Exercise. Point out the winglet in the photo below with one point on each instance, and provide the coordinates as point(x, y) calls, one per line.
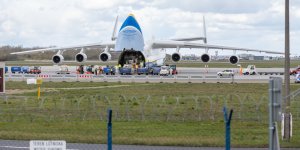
point(113, 37)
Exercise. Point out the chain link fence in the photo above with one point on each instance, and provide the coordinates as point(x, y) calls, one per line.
point(190, 121)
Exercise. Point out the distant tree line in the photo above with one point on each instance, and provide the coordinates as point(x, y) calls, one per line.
point(93, 54)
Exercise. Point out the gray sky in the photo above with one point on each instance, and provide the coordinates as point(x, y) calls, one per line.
point(240, 23)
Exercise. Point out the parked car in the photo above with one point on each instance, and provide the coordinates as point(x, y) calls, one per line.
point(164, 70)
point(226, 73)
point(63, 70)
point(295, 71)
point(35, 70)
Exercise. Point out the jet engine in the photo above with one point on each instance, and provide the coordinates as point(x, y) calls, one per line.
point(176, 57)
point(233, 59)
point(57, 59)
point(81, 57)
point(104, 56)
point(205, 58)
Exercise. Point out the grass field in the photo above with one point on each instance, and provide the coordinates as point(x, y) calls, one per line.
point(146, 114)
point(212, 64)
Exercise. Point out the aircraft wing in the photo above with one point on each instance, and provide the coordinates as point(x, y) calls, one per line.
point(184, 44)
point(99, 45)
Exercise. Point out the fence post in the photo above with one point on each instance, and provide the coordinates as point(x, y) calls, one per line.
point(275, 96)
point(109, 130)
point(227, 128)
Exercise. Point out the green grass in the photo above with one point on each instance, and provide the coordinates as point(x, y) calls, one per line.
point(196, 64)
point(145, 114)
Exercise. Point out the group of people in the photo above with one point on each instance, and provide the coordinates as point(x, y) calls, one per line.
point(97, 70)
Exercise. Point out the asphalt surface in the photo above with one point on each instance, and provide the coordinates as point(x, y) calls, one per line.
point(181, 70)
point(24, 145)
point(185, 75)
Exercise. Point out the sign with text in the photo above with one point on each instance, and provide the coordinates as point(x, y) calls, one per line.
point(31, 81)
point(47, 145)
point(2, 77)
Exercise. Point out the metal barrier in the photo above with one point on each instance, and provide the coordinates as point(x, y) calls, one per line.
point(141, 78)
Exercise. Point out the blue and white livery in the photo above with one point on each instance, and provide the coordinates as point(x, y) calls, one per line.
point(130, 43)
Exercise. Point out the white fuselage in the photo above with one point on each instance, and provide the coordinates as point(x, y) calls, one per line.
point(130, 42)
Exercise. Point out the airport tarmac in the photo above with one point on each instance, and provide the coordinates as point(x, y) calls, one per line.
point(24, 145)
point(181, 70)
point(185, 75)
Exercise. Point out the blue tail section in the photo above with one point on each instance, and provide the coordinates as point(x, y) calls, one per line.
point(130, 21)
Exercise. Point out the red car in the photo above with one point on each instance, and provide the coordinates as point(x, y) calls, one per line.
point(295, 71)
point(35, 70)
point(174, 70)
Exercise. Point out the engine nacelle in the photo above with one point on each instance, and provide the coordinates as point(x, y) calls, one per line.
point(57, 59)
point(176, 57)
point(81, 57)
point(105, 56)
point(233, 59)
point(205, 58)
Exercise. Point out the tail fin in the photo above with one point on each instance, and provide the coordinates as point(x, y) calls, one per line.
point(204, 31)
point(113, 37)
point(204, 38)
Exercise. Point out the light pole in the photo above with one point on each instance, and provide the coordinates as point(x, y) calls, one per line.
point(287, 116)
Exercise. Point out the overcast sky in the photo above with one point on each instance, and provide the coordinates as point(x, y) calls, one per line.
point(239, 23)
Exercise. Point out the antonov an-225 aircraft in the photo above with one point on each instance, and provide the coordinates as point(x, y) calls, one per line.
point(130, 43)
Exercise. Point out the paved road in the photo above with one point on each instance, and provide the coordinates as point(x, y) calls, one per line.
point(24, 145)
point(186, 75)
point(181, 70)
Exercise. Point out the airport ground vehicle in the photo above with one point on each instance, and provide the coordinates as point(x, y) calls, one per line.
point(173, 69)
point(109, 70)
point(295, 71)
point(63, 70)
point(144, 70)
point(155, 70)
point(35, 70)
point(125, 71)
point(15, 69)
point(250, 70)
point(106, 70)
point(25, 69)
point(226, 73)
point(18, 69)
point(164, 70)
point(297, 80)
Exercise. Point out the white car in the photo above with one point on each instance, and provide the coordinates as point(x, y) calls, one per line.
point(226, 73)
point(164, 70)
point(63, 70)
